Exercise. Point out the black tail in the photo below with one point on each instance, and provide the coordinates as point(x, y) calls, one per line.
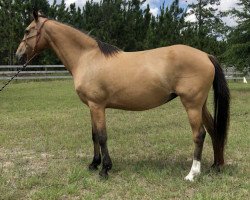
point(221, 110)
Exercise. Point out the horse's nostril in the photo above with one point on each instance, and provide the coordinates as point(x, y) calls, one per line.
point(19, 56)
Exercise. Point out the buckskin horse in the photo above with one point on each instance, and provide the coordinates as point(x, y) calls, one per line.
point(107, 77)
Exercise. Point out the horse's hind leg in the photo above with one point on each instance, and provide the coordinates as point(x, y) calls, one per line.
point(209, 124)
point(193, 107)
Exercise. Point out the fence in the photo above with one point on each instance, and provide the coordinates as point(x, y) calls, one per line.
point(36, 72)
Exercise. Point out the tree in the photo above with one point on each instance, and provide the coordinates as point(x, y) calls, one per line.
point(169, 25)
point(14, 16)
point(208, 27)
point(133, 31)
point(8, 31)
point(238, 50)
point(127, 24)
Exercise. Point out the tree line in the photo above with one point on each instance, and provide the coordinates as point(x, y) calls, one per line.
point(129, 25)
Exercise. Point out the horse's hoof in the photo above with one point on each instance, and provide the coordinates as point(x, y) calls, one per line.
point(103, 175)
point(216, 167)
point(189, 178)
point(93, 167)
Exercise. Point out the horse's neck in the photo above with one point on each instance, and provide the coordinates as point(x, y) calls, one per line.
point(69, 44)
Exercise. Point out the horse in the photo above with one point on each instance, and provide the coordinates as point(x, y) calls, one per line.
point(107, 77)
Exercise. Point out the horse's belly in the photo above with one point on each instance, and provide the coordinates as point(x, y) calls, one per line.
point(136, 101)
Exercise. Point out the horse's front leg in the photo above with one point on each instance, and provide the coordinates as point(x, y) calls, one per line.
point(97, 155)
point(99, 136)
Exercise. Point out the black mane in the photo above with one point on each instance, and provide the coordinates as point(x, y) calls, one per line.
point(107, 49)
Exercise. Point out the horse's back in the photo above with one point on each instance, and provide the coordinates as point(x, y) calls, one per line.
point(172, 63)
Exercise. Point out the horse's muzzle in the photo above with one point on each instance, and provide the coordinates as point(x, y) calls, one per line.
point(20, 52)
point(19, 56)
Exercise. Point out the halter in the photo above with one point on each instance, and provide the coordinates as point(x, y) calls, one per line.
point(37, 35)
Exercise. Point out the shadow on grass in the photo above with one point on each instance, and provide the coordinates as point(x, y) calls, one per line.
point(169, 166)
point(158, 164)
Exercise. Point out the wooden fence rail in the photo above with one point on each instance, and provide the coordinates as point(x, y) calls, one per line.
point(33, 72)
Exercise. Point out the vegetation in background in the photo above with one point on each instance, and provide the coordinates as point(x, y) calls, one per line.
point(126, 24)
point(238, 47)
point(208, 29)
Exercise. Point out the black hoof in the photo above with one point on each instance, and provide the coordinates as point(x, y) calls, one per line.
point(93, 167)
point(95, 163)
point(216, 167)
point(104, 174)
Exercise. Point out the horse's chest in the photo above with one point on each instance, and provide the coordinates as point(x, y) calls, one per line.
point(82, 96)
point(90, 93)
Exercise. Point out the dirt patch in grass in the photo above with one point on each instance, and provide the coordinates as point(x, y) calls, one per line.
point(23, 163)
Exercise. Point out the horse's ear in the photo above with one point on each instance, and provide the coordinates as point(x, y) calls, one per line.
point(35, 15)
point(40, 13)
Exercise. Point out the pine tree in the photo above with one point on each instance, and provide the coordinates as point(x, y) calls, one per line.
point(208, 26)
point(238, 51)
point(169, 25)
point(123, 23)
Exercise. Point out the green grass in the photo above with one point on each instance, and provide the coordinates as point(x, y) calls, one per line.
point(46, 146)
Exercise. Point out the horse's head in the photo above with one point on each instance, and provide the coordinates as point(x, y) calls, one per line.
point(34, 40)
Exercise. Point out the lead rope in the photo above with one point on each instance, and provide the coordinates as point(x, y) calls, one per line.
point(24, 66)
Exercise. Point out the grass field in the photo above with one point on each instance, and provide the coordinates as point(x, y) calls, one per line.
point(46, 146)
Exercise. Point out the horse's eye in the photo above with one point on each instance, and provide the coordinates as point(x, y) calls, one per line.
point(27, 32)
